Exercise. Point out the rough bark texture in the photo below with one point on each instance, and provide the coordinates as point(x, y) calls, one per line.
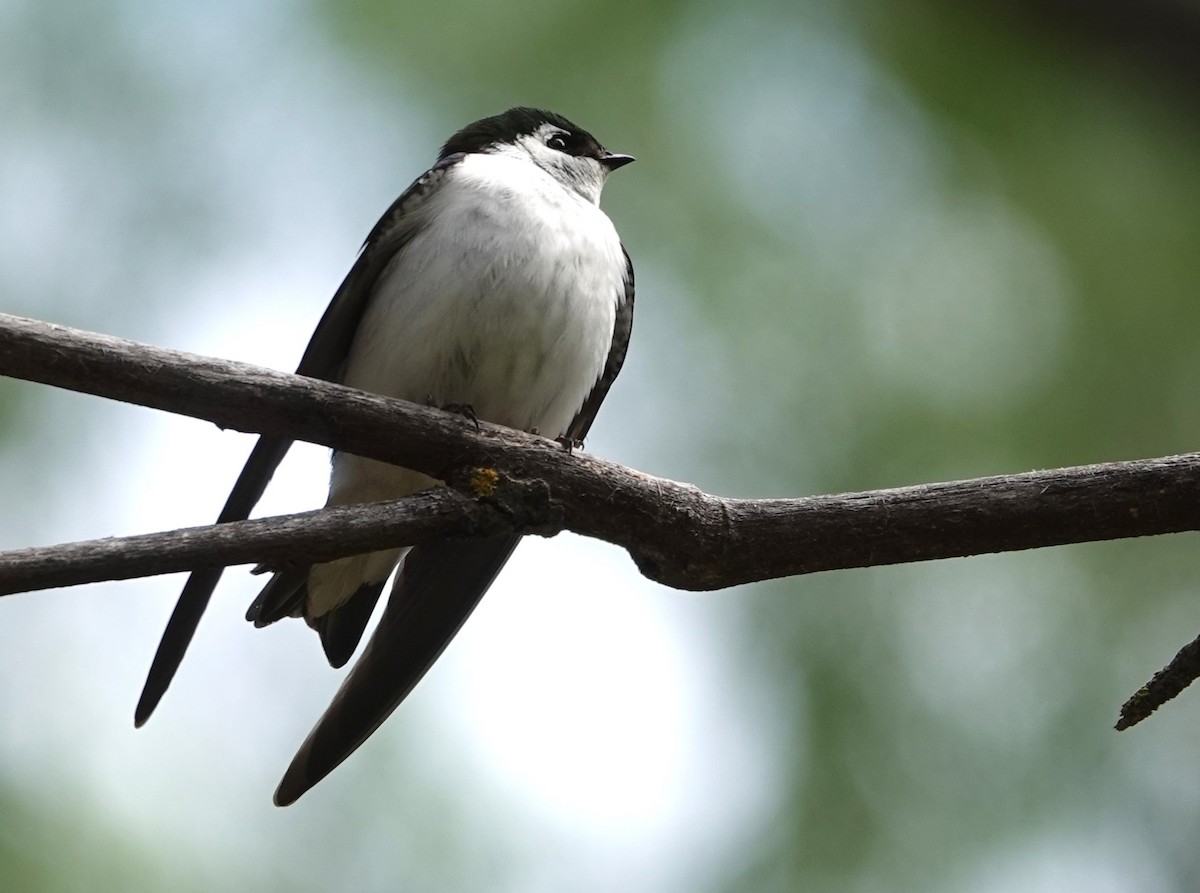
point(504, 480)
point(677, 534)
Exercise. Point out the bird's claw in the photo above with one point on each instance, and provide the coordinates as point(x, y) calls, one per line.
point(463, 409)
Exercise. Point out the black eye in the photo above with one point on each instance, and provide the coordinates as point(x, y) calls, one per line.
point(557, 142)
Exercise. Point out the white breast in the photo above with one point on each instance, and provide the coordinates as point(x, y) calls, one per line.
point(505, 300)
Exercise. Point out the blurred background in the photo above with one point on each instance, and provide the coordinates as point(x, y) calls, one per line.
point(876, 245)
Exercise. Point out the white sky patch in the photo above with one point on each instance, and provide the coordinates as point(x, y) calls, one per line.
point(578, 691)
point(591, 693)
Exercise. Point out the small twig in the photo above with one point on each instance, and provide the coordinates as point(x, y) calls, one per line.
point(1182, 671)
point(316, 536)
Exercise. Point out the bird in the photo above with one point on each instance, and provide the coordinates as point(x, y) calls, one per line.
point(495, 285)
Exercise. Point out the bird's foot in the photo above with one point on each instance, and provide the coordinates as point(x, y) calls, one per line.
point(463, 409)
point(570, 443)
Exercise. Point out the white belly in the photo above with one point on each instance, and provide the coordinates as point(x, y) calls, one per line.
point(506, 305)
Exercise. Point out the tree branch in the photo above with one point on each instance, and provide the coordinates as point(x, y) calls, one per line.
point(275, 542)
point(503, 480)
point(676, 534)
point(1164, 685)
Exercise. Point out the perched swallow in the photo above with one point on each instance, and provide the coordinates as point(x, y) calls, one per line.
point(494, 282)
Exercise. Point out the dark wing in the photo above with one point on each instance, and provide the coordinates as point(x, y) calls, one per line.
point(323, 358)
point(622, 326)
point(438, 587)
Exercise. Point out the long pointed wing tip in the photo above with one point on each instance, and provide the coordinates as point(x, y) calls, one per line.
point(281, 799)
point(294, 785)
point(146, 705)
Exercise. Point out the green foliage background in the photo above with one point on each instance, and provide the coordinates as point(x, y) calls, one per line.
point(877, 244)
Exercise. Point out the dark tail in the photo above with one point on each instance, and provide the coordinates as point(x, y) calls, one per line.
point(264, 459)
point(439, 584)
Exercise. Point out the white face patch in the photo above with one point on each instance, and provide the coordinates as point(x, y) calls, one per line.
point(580, 173)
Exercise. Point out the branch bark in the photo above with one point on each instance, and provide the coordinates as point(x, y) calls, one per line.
point(503, 480)
point(274, 542)
point(675, 533)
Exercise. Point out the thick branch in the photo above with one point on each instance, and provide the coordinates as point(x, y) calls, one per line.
point(676, 534)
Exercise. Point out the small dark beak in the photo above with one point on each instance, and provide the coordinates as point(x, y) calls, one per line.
point(612, 160)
